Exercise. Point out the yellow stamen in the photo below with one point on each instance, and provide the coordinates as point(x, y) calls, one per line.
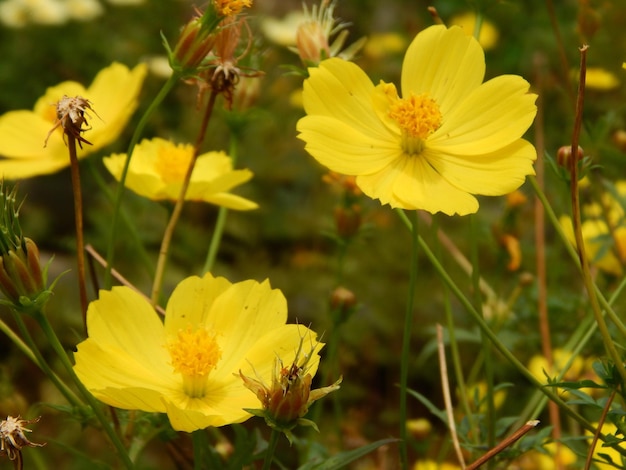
point(418, 116)
point(231, 7)
point(194, 355)
point(173, 161)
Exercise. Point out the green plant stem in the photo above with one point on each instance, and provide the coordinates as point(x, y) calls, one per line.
point(220, 223)
point(180, 202)
point(495, 340)
point(204, 456)
point(132, 229)
point(406, 341)
point(574, 254)
point(91, 400)
point(271, 449)
point(167, 87)
point(577, 223)
point(485, 344)
point(78, 222)
point(32, 352)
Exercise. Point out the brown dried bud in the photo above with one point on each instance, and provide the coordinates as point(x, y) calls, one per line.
point(71, 117)
point(348, 220)
point(13, 439)
point(564, 155)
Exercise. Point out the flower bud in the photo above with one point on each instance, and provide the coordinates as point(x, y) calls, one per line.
point(343, 301)
point(193, 46)
point(564, 155)
point(348, 220)
point(312, 43)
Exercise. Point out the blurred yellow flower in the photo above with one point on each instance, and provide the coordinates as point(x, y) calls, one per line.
point(599, 79)
point(433, 465)
point(188, 366)
point(535, 460)
point(113, 96)
point(158, 167)
point(605, 248)
point(488, 37)
point(614, 455)
point(448, 137)
point(379, 45)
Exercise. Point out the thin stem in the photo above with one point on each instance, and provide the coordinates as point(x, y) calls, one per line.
point(508, 355)
point(447, 399)
point(222, 213)
point(78, 221)
point(271, 449)
point(178, 208)
point(577, 223)
point(406, 342)
point(167, 87)
point(31, 351)
point(95, 406)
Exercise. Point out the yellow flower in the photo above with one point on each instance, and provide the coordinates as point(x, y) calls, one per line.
point(113, 96)
point(605, 247)
point(449, 136)
point(488, 37)
point(188, 366)
point(599, 79)
point(432, 465)
point(613, 454)
point(158, 167)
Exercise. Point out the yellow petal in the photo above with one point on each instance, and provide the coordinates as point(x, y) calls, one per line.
point(124, 319)
point(344, 149)
point(490, 174)
point(341, 90)
point(139, 178)
point(411, 183)
point(118, 379)
point(494, 115)
point(445, 63)
point(114, 97)
point(230, 201)
point(282, 343)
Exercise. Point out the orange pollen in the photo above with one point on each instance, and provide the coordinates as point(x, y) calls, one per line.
point(231, 7)
point(418, 115)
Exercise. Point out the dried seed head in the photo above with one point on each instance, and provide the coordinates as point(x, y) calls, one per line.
point(13, 439)
point(71, 117)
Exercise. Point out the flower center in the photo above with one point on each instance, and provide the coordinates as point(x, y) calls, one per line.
point(231, 7)
point(173, 161)
point(418, 116)
point(194, 355)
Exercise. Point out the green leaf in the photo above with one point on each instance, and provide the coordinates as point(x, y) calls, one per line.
point(340, 460)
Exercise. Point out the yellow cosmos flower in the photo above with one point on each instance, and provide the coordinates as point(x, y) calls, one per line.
point(188, 366)
point(113, 96)
point(158, 167)
point(448, 137)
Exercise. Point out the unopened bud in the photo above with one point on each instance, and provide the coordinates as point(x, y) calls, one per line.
point(348, 220)
point(312, 43)
point(619, 139)
point(564, 155)
point(193, 46)
point(342, 300)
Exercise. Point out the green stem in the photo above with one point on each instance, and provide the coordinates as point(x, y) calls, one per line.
point(95, 405)
point(220, 223)
point(406, 341)
point(180, 202)
point(31, 351)
point(271, 449)
point(167, 87)
point(508, 355)
point(486, 347)
point(203, 454)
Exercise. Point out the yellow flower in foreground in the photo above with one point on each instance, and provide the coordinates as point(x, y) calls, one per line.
point(113, 96)
point(158, 167)
point(448, 137)
point(188, 366)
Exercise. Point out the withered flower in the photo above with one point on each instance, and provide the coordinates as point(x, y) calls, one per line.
point(13, 439)
point(71, 117)
point(287, 400)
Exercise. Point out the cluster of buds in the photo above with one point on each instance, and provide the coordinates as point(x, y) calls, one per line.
point(205, 52)
point(287, 400)
point(22, 280)
point(13, 439)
